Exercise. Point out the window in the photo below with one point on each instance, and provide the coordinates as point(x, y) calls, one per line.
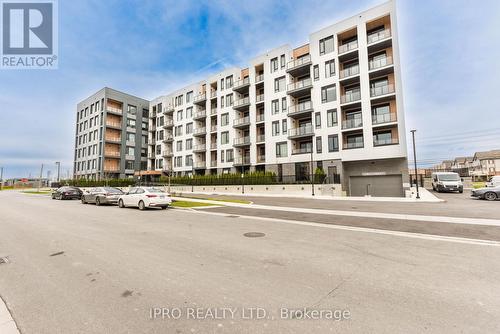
point(328, 94)
point(189, 144)
point(316, 72)
point(276, 128)
point(282, 61)
point(131, 123)
point(326, 45)
point(130, 151)
point(274, 64)
point(331, 117)
point(132, 110)
point(329, 68)
point(178, 130)
point(179, 100)
point(229, 100)
point(222, 156)
point(317, 120)
point(158, 149)
point(281, 150)
point(179, 146)
point(333, 143)
point(279, 84)
point(189, 128)
point(284, 126)
point(222, 101)
point(229, 81)
point(145, 125)
point(229, 156)
point(283, 104)
point(224, 137)
point(130, 136)
point(319, 145)
point(189, 112)
point(145, 113)
point(129, 164)
point(189, 160)
point(224, 119)
point(179, 115)
point(178, 161)
point(275, 107)
point(222, 84)
point(161, 121)
point(189, 96)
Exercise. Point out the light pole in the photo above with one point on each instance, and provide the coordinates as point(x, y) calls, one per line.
point(192, 176)
point(312, 172)
point(40, 179)
point(58, 164)
point(1, 178)
point(415, 161)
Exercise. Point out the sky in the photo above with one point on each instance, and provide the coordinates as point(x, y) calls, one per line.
point(450, 60)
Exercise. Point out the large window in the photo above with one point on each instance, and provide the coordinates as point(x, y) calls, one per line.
point(274, 64)
point(281, 150)
point(229, 156)
point(326, 45)
point(224, 137)
point(189, 144)
point(189, 160)
point(189, 96)
point(279, 84)
point(316, 72)
point(328, 94)
point(229, 82)
point(179, 146)
point(276, 128)
point(329, 68)
point(179, 115)
point(189, 128)
point(284, 126)
point(331, 117)
point(317, 120)
point(189, 112)
point(319, 145)
point(224, 119)
point(333, 143)
point(132, 110)
point(275, 107)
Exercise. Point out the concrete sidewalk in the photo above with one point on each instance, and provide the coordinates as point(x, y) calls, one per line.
point(7, 324)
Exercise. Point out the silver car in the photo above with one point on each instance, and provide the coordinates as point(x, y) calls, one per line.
point(490, 193)
point(102, 195)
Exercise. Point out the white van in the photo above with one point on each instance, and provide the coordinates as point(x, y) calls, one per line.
point(494, 181)
point(447, 181)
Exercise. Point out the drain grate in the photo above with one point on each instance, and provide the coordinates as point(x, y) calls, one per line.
point(254, 235)
point(4, 260)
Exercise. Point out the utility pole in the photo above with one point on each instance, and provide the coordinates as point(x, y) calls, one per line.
point(192, 175)
point(40, 179)
point(58, 164)
point(242, 178)
point(415, 161)
point(312, 172)
point(1, 178)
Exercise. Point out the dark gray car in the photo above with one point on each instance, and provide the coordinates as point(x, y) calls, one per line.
point(490, 193)
point(102, 195)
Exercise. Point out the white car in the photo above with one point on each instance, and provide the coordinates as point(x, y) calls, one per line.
point(145, 197)
point(494, 181)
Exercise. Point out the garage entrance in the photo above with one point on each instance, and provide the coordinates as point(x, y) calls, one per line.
point(376, 185)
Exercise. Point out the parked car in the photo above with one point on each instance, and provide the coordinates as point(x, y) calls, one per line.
point(102, 195)
point(494, 181)
point(447, 181)
point(489, 193)
point(145, 197)
point(67, 192)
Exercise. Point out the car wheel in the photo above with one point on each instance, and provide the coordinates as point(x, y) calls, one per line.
point(461, 191)
point(433, 188)
point(83, 200)
point(164, 207)
point(120, 204)
point(490, 196)
point(141, 205)
point(97, 201)
point(53, 196)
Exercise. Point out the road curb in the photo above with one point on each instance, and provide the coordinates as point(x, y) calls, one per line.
point(7, 323)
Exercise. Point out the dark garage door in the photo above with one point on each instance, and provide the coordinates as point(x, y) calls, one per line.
point(377, 185)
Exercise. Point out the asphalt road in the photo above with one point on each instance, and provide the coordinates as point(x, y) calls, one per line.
point(83, 269)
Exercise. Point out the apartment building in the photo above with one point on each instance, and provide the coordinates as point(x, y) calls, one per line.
point(111, 135)
point(335, 103)
point(486, 163)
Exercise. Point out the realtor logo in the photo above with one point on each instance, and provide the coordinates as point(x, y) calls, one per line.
point(29, 34)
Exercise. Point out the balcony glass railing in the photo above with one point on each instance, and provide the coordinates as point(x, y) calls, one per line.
point(348, 47)
point(168, 122)
point(384, 141)
point(298, 62)
point(261, 158)
point(114, 124)
point(261, 138)
point(300, 84)
point(241, 83)
point(112, 153)
point(213, 163)
point(167, 153)
point(301, 131)
point(242, 121)
point(260, 118)
point(200, 114)
point(213, 94)
point(241, 102)
point(259, 78)
point(213, 128)
point(114, 110)
point(199, 131)
point(349, 72)
point(213, 111)
point(302, 150)
point(352, 123)
point(242, 141)
point(373, 64)
point(382, 90)
point(200, 164)
point(259, 98)
point(112, 138)
point(200, 97)
point(354, 144)
point(213, 145)
point(379, 35)
point(200, 147)
point(242, 160)
point(384, 118)
point(350, 97)
point(300, 107)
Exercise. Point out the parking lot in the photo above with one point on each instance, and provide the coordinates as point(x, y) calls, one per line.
point(81, 268)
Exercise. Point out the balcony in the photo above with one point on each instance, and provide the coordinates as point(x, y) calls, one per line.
point(200, 99)
point(384, 118)
point(353, 145)
point(241, 122)
point(300, 88)
point(168, 138)
point(349, 72)
point(350, 97)
point(167, 154)
point(301, 132)
point(199, 148)
point(300, 110)
point(242, 141)
point(213, 145)
point(379, 36)
point(213, 94)
point(261, 139)
point(299, 66)
point(374, 64)
point(259, 99)
point(385, 141)
point(113, 125)
point(114, 110)
point(261, 158)
point(152, 128)
point(200, 132)
point(242, 161)
point(382, 90)
point(151, 155)
point(260, 118)
point(168, 123)
point(213, 128)
point(241, 104)
point(213, 163)
point(352, 123)
point(213, 111)
point(113, 139)
point(302, 150)
point(200, 115)
point(112, 154)
point(241, 85)
point(200, 165)
point(111, 169)
point(259, 78)
point(351, 46)
point(168, 110)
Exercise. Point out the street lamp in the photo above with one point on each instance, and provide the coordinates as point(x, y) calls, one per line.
point(58, 164)
point(312, 172)
point(1, 178)
point(415, 161)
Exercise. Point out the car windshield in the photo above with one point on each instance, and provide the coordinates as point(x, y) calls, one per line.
point(113, 190)
point(155, 190)
point(448, 177)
